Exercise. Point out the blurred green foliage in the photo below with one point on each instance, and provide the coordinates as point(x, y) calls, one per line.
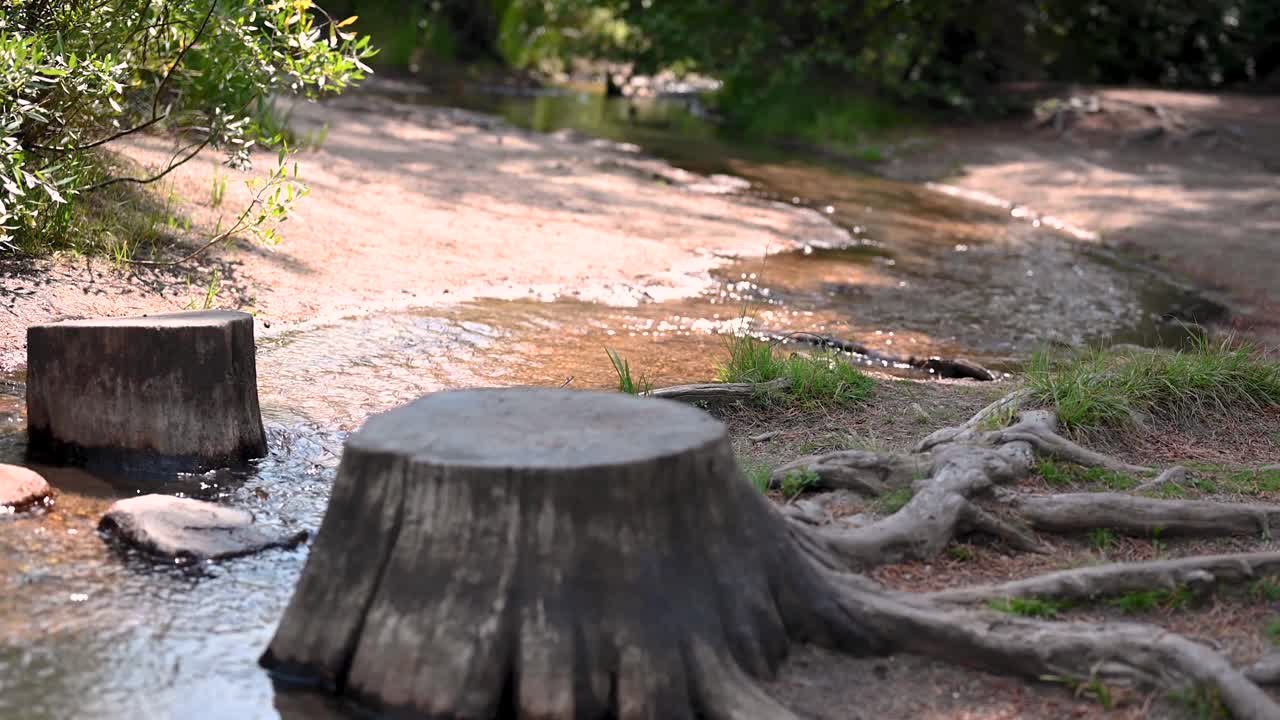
point(828, 71)
point(943, 51)
point(78, 75)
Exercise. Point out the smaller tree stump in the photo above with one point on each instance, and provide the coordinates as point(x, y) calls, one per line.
point(173, 392)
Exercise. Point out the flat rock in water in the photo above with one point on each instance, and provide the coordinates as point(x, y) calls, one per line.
point(184, 528)
point(21, 488)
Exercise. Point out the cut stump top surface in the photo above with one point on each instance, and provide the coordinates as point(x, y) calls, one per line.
point(537, 428)
point(200, 318)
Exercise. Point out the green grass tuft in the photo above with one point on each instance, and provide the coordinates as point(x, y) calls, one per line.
point(1201, 702)
point(1102, 539)
point(1265, 589)
point(627, 383)
point(1104, 389)
point(1065, 475)
point(1273, 631)
point(1029, 607)
point(1000, 419)
point(1141, 601)
point(1092, 688)
point(758, 474)
point(797, 482)
point(893, 502)
point(817, 381)
point(750, 361)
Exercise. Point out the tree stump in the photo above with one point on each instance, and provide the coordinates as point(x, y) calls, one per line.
point(549, 554)
point(177, 391)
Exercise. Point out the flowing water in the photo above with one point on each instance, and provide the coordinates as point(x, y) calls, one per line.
point(89, 631)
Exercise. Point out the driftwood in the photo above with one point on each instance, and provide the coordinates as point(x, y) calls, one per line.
point(949, 368)
point(551, 554)
point(719, 392)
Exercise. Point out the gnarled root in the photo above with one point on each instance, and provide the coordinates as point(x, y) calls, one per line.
point(954, 472)
point(864, 472)
point(1079, 512)
point(938, 510)
point(1126, 653)
point(1119, 578)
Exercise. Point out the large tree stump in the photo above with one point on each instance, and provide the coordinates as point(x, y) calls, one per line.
point(563, 555)
point(548, 554)
point(179, 390)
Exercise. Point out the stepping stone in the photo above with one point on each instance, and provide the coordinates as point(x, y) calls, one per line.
point(186, 529)
point(21, 488)
point(177, 391)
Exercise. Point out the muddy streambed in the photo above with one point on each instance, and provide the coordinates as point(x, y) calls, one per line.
point(89, 631)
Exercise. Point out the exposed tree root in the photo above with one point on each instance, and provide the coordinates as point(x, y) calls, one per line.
point(1008, 404)
point(957, 469)
point(1266, 671)
point(939, 510)
point(864, 472)
point(1079, 512)
point(1176, 475)
point(961, 478)
point(1119, 578)
point(1068, 652)
point(1037, 428)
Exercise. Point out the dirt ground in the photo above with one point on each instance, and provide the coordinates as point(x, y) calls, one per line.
point(1201, 200)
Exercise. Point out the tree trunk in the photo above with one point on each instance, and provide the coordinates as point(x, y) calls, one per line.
point(171, 392)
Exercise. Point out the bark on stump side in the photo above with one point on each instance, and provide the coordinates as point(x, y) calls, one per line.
point(178, 391)
point(530, 553)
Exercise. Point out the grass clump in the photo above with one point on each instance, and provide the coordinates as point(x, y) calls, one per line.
point(758, 474)
point(1102, 539)
point(1000, 419)
point(1273, 631)
point(1091, 688)
point(1265, 589)
point(797, 483)
point(626, 382)
point(1029, 607)
point(1065, 475)
point(1100, 389)
point(1253, 482)
point(1201, 702)
point(894, 501)
point(816, 381)
point(1141, 601)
